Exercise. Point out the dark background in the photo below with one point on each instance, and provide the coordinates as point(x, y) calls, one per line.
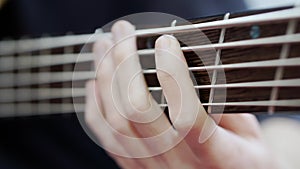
point(58, 141)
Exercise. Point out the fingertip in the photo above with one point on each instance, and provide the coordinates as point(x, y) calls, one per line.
point(166, 41)
point(162, 42)
point(121, 28)
point(102, 46)
point(167, 51)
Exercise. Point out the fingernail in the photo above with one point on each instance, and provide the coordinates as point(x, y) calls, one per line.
point(122, 28)
point(165, 41)
point(171, 37)
point(162, 42)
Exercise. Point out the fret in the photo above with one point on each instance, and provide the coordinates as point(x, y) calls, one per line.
point(217, 62)
point(12, 64)
point(280, 70)
point(27, 76)
point(66, 68)
point(69, 50)
point(40, 76)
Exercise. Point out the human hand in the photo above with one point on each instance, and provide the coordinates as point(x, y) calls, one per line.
point(235, 142)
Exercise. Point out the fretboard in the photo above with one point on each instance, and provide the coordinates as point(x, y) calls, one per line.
point(251, 64)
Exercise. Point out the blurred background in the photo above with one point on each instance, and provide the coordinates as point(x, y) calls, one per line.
point(58, 141)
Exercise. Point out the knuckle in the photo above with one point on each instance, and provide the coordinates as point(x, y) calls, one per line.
point(130, 112)
point(118, 124)
point(184, 124)
point(139, 101)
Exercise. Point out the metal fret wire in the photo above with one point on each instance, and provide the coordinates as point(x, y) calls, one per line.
point(280, 70)
point(46, 106)
point(217, 62)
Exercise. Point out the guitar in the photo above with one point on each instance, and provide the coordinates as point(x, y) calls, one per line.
point(258, 51)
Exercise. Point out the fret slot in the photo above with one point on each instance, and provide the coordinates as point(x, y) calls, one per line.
point(294, 50)
point(289, 93)
point(250, 54)
point(291, 72)
point(265, 30)
point(248, 94)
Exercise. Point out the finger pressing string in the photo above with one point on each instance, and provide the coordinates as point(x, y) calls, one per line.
point(186, 112)
point(156, 127)
point(119, 126)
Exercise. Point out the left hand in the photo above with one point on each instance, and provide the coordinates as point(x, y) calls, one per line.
point(235, 143)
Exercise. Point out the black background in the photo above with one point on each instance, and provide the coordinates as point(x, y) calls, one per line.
point(57, 141)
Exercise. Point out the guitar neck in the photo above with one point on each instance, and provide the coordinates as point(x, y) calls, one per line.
point(244, 62)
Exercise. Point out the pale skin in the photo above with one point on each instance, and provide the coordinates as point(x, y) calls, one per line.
point(235, 143)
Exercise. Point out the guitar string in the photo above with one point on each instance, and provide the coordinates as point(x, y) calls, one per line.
point(279, 103)
point(23, 109)
point(28, 62)
point(23, 79)
point(89, 57)
point(31, 94)
point(12, 47)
